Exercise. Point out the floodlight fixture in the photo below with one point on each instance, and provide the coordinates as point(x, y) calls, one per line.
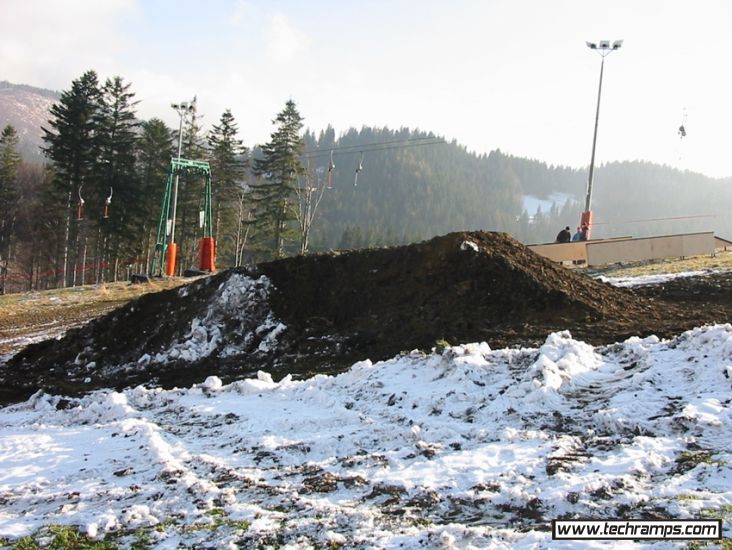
point(604, 47)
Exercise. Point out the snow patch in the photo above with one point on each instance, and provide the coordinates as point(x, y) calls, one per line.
point(226, 326)
point(467, 448)
point(642, 280)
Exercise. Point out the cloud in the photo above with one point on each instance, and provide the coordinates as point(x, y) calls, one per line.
point(46, 41)
point(284, 42)
point(243, 11)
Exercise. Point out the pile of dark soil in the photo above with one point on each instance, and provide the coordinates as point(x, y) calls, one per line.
point(343, 307)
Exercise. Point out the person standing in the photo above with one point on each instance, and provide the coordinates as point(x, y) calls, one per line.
point(564, 236)
point(584, 232)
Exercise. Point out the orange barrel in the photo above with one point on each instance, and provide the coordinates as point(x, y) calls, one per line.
point(207, 254)
point(170, 260)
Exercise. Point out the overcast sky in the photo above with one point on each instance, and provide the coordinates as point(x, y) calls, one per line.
point(508, 74)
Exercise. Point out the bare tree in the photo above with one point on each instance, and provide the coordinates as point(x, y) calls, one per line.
point(310, 191)
point(242, 225)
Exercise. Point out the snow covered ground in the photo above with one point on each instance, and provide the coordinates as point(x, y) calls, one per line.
point(655, 279)
point(467, 447)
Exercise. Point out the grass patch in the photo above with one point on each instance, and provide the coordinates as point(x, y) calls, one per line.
point(441, 345)
point(22, 314)
point(724, 544)
point(686, 497)
point(65, 537)
point(688, 460)
point(722, 260)
point(723, 512)
point(59, 537)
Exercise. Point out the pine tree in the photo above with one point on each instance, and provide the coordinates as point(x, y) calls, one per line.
point(155, 149)
point(31, 233)
point(229, 161)
point(280, 168)
point(190, 191)
point(72, 145)
point(116, 200)
point(9, 193)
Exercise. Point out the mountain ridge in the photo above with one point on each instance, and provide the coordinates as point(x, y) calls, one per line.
point(26, 109)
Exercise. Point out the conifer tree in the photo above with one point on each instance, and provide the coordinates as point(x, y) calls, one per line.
point(116, 176)
point(72, 145)
point(154, 151)
point(279, 169)
point(9, 193)
point(229, 161)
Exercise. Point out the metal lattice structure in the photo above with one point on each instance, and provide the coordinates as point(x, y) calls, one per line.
point(181, 167)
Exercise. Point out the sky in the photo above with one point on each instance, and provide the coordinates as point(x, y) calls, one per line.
point(513, 75)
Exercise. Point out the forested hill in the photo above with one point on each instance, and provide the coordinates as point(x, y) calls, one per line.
point(640, 198)
point(410, 191)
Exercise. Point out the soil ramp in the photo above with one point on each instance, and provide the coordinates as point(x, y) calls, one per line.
point(321, 313)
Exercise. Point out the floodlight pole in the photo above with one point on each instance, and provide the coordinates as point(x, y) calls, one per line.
point(604, 49)
point(183, 109)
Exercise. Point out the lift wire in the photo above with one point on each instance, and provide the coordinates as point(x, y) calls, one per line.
point(388, 142)
point(657, 219)
point(370, 147)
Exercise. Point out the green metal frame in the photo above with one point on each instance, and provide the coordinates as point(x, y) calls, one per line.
point(180, 167)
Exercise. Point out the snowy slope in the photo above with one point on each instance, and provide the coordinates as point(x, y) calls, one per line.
point(468, 448)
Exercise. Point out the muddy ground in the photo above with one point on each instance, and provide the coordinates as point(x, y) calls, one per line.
point(343, 307)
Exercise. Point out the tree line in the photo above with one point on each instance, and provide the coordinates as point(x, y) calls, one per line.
point(92, 212)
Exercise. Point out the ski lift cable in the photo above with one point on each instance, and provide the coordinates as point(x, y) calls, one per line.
point(387, 142)
point(363, 146)
point(373, 147)
point(657, 219)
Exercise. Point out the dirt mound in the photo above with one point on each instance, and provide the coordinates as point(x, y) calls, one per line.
point(321, 313)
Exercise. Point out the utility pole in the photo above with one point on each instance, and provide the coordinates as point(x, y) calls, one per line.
point(604, 49)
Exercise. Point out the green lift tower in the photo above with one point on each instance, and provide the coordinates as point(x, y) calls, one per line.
point(164, 256)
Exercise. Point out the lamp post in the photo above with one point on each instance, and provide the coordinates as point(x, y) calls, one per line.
point(604, 48)
point(183, 109)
